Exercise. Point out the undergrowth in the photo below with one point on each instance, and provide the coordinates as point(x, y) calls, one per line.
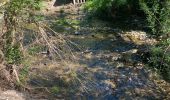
point(111, 8)
point(16, 12)
point(158, 16)
point(160, 58)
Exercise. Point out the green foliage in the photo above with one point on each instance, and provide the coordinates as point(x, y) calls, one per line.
point(24, 74)
point(67, 22)
point(21, 8)
point(108, 8)
point(38, 18)
point(158, 15)
point(21, 5)
point(16, 12)
point(98, 4)
point(55, 89)
point(13, 54)
point(160, 58)
point(64, 25)
point(99, 7)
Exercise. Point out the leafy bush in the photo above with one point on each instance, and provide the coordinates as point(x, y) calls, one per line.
point(13, 54)
point(55, 89)
point(160, 58)
point(16, 13)
point(158, 15)
point(98, 5)
point(108, 8)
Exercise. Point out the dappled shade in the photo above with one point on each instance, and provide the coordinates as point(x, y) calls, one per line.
point(62, 2)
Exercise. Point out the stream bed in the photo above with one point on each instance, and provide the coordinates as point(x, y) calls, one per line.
point(109, 64)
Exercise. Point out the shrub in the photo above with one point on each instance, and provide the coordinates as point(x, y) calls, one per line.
point(160, 58)
point(158, 15)
point(24, 73)
point(16, 13)
point(110, 8)
point(158, 18)
point(99, 7)
point(13, 54)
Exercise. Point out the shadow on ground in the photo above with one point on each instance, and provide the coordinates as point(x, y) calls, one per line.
point(62, 2)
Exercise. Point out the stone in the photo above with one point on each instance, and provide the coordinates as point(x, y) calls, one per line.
point(11, 95)
point(111, 83)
